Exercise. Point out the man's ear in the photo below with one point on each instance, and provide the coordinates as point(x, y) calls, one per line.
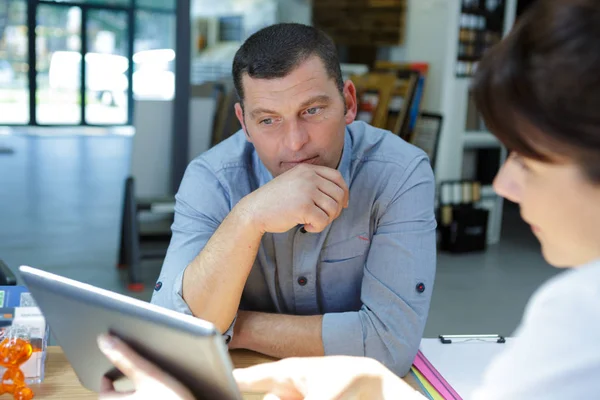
point(350, 101)
point(239, 113)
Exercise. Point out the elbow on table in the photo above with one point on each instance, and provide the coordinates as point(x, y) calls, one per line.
point(398, 358)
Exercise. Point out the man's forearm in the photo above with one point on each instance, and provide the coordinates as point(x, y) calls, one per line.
point(279, 335)
point(213, 282)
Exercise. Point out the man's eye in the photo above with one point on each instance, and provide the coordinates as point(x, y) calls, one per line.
point(266, 121)
point(313, 110)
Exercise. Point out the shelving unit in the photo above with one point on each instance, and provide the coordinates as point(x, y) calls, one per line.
point(479, 139)
point(433, 36)
point(361, 22)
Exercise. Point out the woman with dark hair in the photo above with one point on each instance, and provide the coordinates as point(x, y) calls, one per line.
point(539, 93)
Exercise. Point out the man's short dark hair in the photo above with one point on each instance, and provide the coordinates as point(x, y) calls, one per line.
point(539, 89)
point(275, 51)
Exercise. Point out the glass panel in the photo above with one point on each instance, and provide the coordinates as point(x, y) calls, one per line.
point(107, 65)
point(58, 49)
point(154, 56)
point(14, 85)
point(164, 4)
point(121, 3)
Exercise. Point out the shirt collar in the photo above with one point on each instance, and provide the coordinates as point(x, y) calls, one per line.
point(265, 176)
point(346, 160)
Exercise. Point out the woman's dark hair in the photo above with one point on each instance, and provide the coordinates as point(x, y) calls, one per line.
point(539, 89)
point(275, 51)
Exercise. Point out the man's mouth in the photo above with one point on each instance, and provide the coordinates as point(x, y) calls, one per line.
point(311, 160)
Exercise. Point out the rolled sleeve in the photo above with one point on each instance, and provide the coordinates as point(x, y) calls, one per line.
point(343, 325)
point(200, 190)
point(397, 281)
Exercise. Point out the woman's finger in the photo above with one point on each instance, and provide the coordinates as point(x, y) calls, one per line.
point(262, 378)
point(132, 365)
point(106, 385)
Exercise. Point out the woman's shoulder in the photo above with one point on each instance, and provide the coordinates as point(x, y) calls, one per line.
point(556, 351)
point(578, 287)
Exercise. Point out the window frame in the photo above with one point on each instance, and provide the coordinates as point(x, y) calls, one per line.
point(131, 9)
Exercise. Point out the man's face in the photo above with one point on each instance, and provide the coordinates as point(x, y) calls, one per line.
point(297, 119)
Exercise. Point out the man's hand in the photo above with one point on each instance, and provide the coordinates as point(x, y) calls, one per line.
point(308, 195)
point(335, 377)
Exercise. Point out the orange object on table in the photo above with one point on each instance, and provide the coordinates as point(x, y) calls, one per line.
point(15, 349)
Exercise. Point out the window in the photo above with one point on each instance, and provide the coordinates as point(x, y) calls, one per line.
point(158, 4)
point(58, 65)
point(106, 67)
point(14, 84)
point(73, 88)
point(102, 2)
point(154, 56)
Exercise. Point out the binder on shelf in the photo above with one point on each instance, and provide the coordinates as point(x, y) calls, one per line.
point(463, 225)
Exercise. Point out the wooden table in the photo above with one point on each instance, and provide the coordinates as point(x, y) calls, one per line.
point(62, 383)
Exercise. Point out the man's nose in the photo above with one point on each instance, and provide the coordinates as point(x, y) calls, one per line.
point(296, 136)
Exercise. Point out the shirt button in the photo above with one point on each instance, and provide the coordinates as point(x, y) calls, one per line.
point(302, 281)
point(420, 287)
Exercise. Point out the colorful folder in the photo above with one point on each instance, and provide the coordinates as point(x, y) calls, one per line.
point(432, 377)
point(426, 387)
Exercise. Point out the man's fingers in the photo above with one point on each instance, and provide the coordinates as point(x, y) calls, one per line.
point(334, 176)
point(327, 204)
point(334, 191)
point(317, 219)
point(126, 360)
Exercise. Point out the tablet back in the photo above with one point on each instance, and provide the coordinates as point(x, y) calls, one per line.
point(188, 348)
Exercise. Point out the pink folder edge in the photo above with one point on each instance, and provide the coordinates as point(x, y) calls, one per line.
point(434, 377)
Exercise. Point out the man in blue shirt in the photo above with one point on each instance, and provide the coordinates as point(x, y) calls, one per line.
point(305, 233)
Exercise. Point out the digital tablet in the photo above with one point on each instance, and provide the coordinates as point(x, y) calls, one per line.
point(190, 349)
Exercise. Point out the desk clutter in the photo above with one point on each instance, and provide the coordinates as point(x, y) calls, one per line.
point(481, 27)
point(462, 224)
point(24, 338)
point(432, 382)
point(389, 97)
point(459, 364)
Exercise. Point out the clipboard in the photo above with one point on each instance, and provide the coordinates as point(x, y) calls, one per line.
point(463, 359)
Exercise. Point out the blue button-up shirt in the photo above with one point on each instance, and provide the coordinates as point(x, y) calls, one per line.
point(370, 272)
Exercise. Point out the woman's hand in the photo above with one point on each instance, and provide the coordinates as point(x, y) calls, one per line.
point(150, 381)
point(324, 378)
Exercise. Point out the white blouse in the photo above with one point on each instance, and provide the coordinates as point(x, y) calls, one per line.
point(556, 353)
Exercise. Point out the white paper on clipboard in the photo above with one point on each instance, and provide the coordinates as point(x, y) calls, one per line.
point(462, 363)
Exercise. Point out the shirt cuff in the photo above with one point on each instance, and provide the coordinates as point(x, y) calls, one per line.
point(181, 306)
point(228, 335)
point(343, 335)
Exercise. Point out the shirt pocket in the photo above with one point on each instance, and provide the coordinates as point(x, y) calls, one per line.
point(347, 249)
point(341, 271)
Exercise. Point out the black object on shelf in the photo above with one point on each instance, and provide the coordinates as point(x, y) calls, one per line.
point(481, 27)
point(467, 232)
point(7, 278)
point(462, 226)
